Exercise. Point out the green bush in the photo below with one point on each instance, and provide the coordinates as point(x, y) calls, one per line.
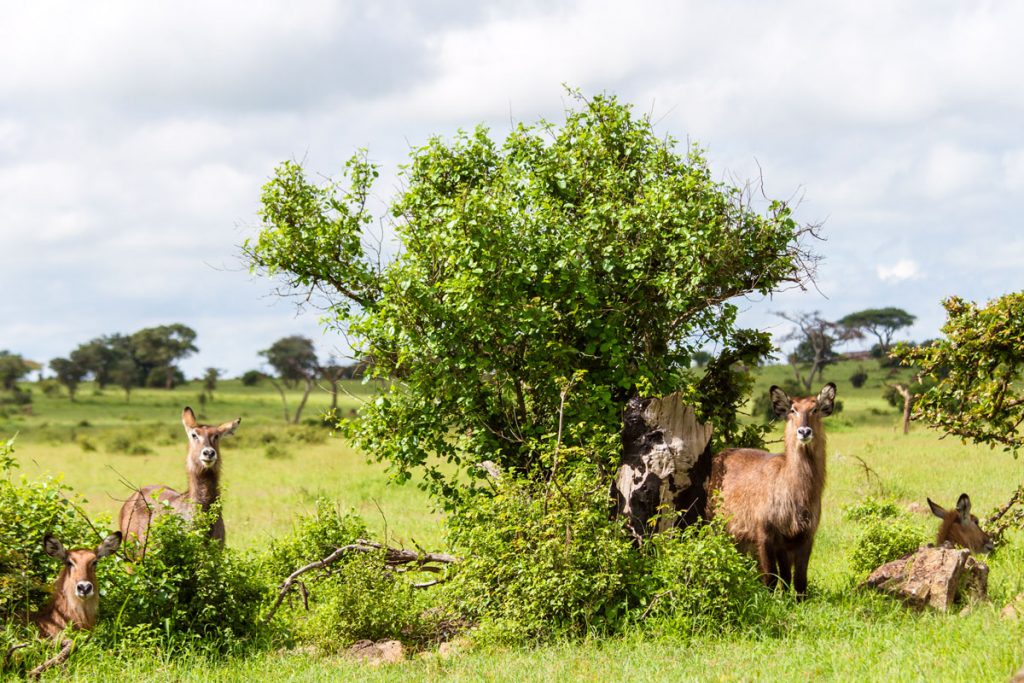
point(28, 511)
point(540, 563)
point(702, 584)
point(364, 600)
point(187, 587)
point(358, 598)
point(871, 509)
point(885, 540)
point(127, 444)
point(859, 378)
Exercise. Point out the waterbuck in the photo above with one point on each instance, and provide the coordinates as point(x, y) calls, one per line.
point(203, 467)
point(76, 596)
point(772, 502)
point(960, 527)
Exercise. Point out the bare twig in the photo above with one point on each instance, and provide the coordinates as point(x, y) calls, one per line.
point(393, 557)
point(59, 658)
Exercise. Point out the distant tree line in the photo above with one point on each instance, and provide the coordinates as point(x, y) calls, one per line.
point(148, 357)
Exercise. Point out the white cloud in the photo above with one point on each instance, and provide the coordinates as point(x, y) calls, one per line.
point(904, 269)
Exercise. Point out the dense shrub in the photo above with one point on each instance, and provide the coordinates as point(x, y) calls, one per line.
point(359, 598)
point(187, 587)
point(885, 540)
point(251, 378)
point(28, 511)
point(543, 562)
point(859, 377)
point(871, 509)
point(702, 583)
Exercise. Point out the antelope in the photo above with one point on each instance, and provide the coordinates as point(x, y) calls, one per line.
point(76, 597)
point(203, 467)
point(960, 527)
point(772, 502)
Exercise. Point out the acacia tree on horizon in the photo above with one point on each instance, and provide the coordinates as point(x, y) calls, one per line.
point(591, 249)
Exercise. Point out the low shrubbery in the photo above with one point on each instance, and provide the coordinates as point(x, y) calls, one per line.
point(884, 540)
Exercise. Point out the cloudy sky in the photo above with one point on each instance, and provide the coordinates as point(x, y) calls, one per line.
point(134, 138)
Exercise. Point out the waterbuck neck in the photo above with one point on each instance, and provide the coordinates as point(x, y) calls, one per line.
point(203, 485)
point(806, 458)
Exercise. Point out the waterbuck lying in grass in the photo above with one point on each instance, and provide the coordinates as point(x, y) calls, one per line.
point(203, 467)
point(960, 527)
point(76, 596)
point(772, 502)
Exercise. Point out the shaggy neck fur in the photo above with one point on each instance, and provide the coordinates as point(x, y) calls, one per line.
point(805, 462)
point(203, 483)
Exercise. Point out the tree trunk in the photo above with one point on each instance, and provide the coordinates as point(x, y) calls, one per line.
point(908, 404)
point(666, 460)
point(302, 403)
point(284, 399)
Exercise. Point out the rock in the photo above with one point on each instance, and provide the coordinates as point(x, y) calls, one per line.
point(665, 462)
point(1014, 608)
point(932, 577)
point(916, 508)
point(384, 652)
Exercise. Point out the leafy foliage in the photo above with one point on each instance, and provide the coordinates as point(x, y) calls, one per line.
point(975, 372)
point(540, 564)
point(884, 540)
point(187, 587)
point(28, 511)
point(871, 509)
point(702, 584)
point(591, 250)
point(881, 323)
point(859, 377)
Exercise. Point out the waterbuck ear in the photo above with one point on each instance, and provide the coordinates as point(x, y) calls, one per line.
point(54, 548)
point(963, 506)
point(229, 427)
point(781, 403)
point(109, 545)
point(937, 509)
point(188, 418)
point(827, 399)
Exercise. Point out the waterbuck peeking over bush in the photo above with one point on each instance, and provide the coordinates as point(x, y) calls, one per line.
point(203, 467)
point(960, 527)
point(76, 596)
point(772, 502)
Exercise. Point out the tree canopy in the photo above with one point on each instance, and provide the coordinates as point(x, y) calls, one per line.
point(974, 372)
point(882, 323)
point(294, 360)
point(562, 270)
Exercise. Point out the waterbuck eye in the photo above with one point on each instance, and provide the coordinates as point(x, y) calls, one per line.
point(195, 436)
point(69, 563)
point(92, 565)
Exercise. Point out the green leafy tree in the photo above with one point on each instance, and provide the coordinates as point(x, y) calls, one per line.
point(69, 373)
point(13, 369)
point(881, 323)
point(125, 374)
point(589, 250)
point(157, 350)
point(976, 391)
point(294, 360)
point(210, 377)
point(99, 356)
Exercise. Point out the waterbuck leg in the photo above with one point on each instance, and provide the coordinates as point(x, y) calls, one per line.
point(784, 560)
point(803, 558)
point(766, 562)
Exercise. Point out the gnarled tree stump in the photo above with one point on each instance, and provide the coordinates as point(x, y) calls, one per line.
point(666, 460)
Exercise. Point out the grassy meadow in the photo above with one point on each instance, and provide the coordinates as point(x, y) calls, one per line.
point(272, 472)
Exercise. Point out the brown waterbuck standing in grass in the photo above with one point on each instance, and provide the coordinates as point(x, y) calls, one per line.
point(76, 596)
point(960, 527)
point(203, 467)
point(772, 502)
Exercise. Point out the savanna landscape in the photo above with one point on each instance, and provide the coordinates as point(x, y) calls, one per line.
point(511, 342)
point(274, 472)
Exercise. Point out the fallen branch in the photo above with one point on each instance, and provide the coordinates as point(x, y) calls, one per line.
point(59, 658)
point(395, 558)
point(996, 525)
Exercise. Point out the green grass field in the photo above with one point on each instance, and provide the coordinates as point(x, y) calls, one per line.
point(272, 473)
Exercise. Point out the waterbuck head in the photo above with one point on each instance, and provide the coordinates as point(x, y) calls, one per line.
point(803, 415)
point(203, 442)
point(77, 581)
point(960, 527)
